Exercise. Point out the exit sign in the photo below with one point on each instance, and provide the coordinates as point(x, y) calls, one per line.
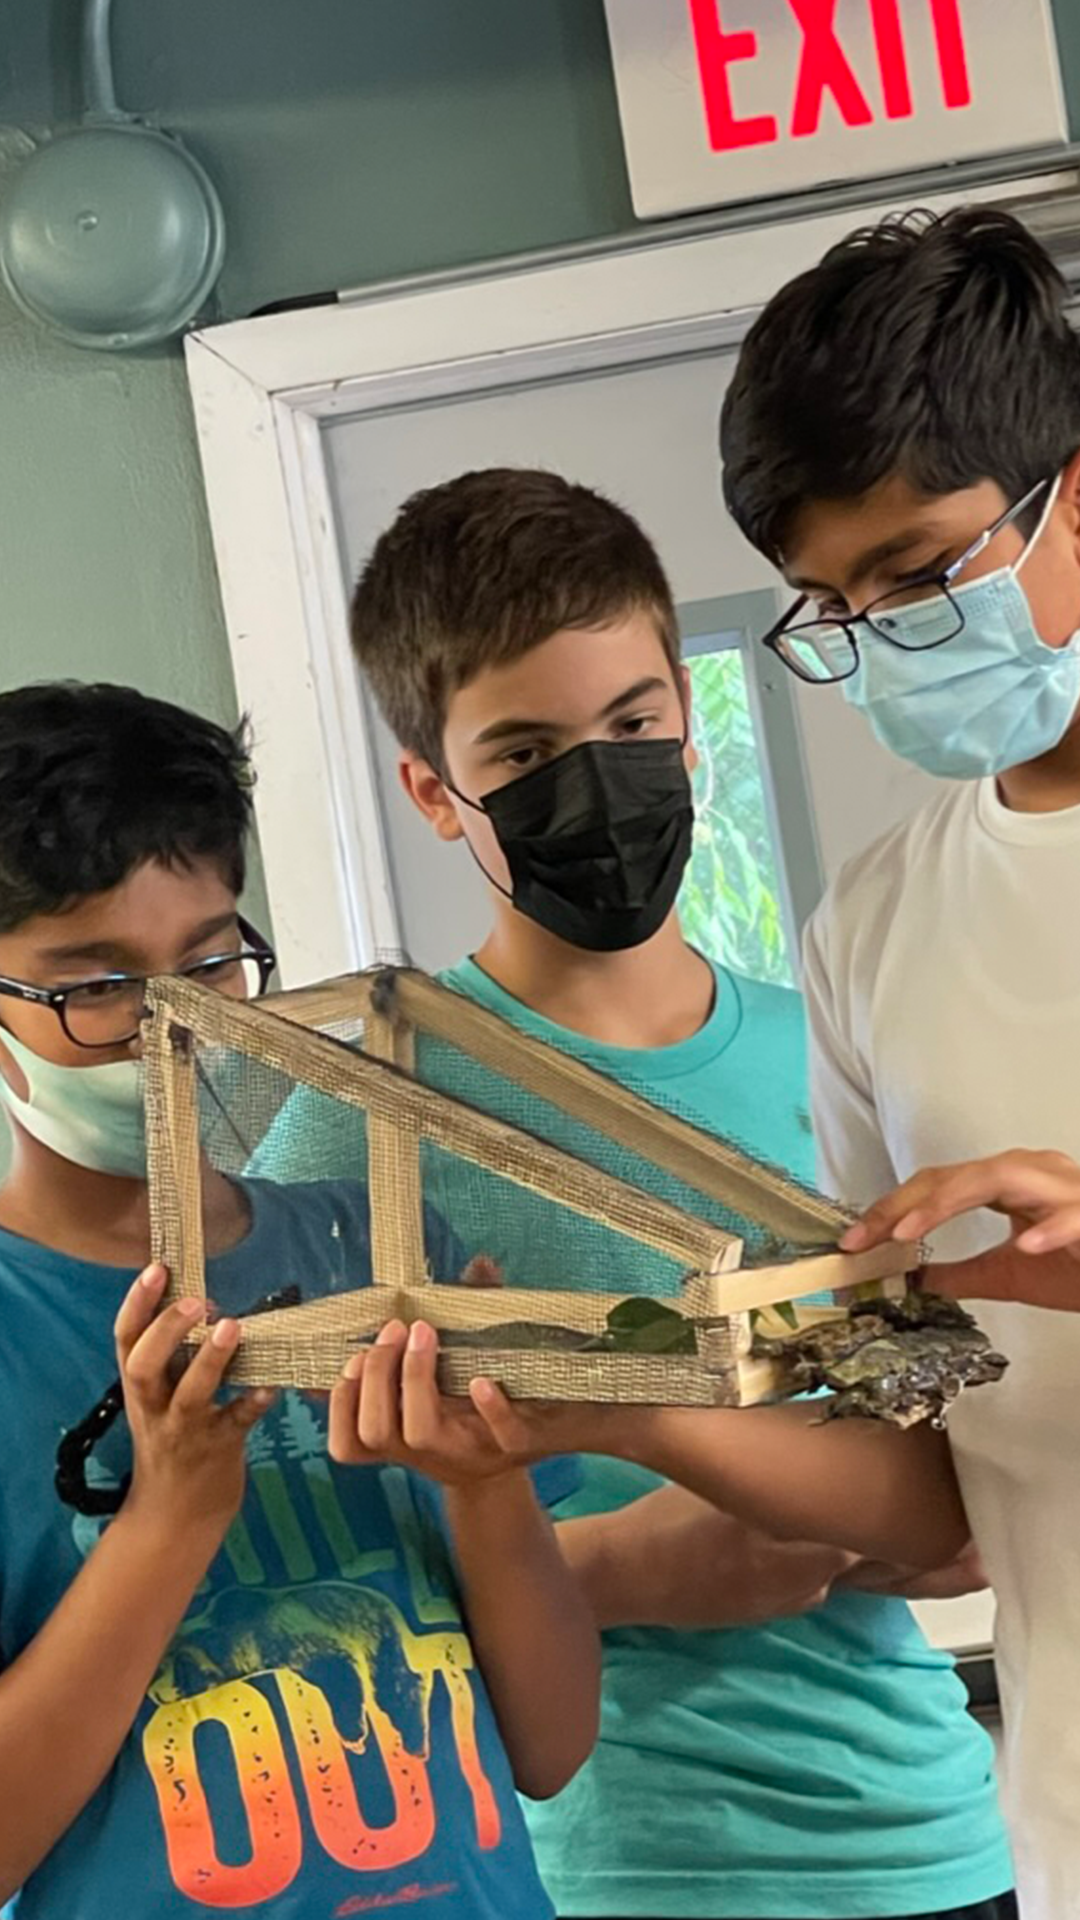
point(729, 100)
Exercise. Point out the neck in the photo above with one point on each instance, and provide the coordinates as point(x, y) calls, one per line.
point(98, 1216)
point(652, 996)
point(1049, 784)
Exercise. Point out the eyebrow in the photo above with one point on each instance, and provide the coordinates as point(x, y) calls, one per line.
point(110, 954)
point(510, 729)
point(892, 549)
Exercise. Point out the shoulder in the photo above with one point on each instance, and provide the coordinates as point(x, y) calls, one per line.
point(460, 977)
point(41, 1276)
point(763, 1095)
point(470, 982)
point(304, 1207)
point(862, 899)
point(765, 1002)
point(773, 1022)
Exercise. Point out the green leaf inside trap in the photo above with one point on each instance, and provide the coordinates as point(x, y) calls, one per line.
point(641, 1325)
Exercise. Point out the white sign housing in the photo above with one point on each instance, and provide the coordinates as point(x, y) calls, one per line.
point(734, 100)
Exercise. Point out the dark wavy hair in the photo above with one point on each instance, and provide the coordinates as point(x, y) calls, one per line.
point(97, 780)
point(934, 348)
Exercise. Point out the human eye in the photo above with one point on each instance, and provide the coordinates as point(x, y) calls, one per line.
point(915, 584)
point(634, 726)
point(521, 759)
point(99, 992)
point(927, 575)
point(216, 966)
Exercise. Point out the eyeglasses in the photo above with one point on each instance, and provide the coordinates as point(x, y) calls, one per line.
point(823, 652)
point(107, 1011)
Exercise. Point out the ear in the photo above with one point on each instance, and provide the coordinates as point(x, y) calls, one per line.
point(686, 689)
point(1070, 494)
point(427, 791)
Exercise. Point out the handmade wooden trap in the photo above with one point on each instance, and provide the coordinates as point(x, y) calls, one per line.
point(640, 1259)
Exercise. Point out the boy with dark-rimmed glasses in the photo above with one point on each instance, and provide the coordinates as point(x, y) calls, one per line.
point(923, 612)
point(253, 1687)
point(902, 439)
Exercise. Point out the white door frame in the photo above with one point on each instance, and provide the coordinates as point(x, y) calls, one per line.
point(264, 389)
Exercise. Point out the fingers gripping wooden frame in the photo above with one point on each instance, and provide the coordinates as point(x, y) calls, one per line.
point(307, 1345)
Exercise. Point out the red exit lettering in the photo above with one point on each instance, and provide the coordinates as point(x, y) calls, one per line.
point(825, 70)
point(952, 53)
point(716, 52)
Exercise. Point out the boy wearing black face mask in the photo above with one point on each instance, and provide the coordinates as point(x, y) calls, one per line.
point(520, 637)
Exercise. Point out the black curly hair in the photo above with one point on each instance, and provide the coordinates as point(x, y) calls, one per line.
point(97, 780)
point(935, 348)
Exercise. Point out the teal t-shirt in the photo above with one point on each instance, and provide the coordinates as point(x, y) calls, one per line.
point(820, 1768)
point(318, 1740)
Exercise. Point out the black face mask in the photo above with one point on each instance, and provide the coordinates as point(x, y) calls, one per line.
point(597, 840)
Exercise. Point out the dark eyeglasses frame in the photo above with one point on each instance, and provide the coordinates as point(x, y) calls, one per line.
point(254, 948)
point(849, 623)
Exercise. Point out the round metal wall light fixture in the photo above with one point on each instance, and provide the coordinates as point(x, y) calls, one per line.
point(112, 235)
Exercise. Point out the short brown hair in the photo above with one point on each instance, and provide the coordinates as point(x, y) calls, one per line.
point(476, 572)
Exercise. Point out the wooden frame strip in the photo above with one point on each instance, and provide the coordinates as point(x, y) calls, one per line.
point(398, 1253)
point(835, 1273)
point(348, 997)
point(386, 1093)
point(711, 1166)
point(174, 1157)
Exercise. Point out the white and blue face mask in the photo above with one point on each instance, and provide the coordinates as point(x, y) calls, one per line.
point(92, 1116)
point(993, 697)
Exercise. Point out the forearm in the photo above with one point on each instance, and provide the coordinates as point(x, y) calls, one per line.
point(102, 1647)
point(673, 1560)
point(966, 1574)
point(608, 1569)
point(859, 1485)
point(531, 1629)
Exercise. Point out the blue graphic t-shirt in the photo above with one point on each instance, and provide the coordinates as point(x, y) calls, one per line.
point(318, 1740)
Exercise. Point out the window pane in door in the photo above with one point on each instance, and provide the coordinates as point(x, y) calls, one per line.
point(730, 900)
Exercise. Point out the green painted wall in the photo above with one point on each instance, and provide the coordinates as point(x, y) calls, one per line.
point(350, 139)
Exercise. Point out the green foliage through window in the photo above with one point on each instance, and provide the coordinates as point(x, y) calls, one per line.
point(730, 901)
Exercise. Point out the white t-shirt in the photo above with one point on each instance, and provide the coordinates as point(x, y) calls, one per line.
point(943, 989)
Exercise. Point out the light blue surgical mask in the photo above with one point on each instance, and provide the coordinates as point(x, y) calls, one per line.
point(992, 698)
point(93, 1116)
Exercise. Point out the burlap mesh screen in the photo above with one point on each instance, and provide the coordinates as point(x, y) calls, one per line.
point(444, 1165)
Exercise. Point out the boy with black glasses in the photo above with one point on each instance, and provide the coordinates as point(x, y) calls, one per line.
point(249, 1689)
point(902, 439)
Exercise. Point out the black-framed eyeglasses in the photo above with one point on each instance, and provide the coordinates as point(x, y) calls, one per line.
point(107, 1011)
point(822, 652)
